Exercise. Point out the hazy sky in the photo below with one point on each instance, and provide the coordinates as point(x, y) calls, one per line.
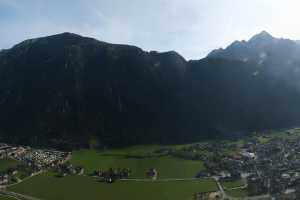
point(190, 27)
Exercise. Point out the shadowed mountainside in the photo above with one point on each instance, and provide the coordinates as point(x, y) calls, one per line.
point(67, 90)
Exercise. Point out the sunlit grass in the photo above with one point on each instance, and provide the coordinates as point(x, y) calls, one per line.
point(238, 193)
point(7, 163)
point(167, 166)
point(49, 187)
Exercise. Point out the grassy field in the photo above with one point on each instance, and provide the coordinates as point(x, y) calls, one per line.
point(239, 193)
point(49, 187)
point(168, 167)
point(263, 139)
point(7, 163)
point(6, 198)
point(232, 184)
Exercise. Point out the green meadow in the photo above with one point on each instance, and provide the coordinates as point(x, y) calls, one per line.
point(238, 193)
point(6, 198)
point(7, 163)
point(49, 187)
point(232, 184)
point(139, 159)
point(167, 166)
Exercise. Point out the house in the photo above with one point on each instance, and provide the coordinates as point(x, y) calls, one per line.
point(288, 194)
point(207, 196)
point(248, 155)
point(152, 173)
point(257, 185)
point(80, 170)
point(3, 179)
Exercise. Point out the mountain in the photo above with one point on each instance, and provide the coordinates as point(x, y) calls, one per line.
point(262, 48)
point(69, 91)
point(67, 87)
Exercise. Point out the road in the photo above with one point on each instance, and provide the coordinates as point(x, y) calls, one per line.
point(226, 196)
point(244, 186)
point(162, 180)
point(1, 195)
point(35, 174)
point(223, 194)
point(17, 195)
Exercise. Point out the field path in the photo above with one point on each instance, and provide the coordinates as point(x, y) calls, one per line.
point(162, 180)
point(1, 195)
point(226, 196)
point(17, 195)
point(29, 177)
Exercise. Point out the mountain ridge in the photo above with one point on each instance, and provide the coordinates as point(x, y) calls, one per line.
point(70, 91)
point(258, 46)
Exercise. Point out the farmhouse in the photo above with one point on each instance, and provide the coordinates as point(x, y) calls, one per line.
point(3, 179)
point(207, 196)
point(152, 173)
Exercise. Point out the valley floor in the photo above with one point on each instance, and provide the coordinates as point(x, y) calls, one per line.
point(175, 180)
point(183, 171)
point(48, 186)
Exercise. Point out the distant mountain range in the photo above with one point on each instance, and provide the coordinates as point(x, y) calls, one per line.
point(67, 90)
point(262, 48)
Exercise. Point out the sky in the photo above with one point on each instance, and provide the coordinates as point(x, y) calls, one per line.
point(191, 27)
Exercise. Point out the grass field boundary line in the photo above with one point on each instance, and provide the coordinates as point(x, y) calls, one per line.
point(25, 179)
point(236, 188)
point(164, 180)
point(18, 195)
point(2, 195)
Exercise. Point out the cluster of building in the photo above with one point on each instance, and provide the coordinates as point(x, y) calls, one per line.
point(45, 158)
point(267, 168)
point(275, 169)
point(111, 175)
point(7, 151)
point(64, 169)
point(31, 161)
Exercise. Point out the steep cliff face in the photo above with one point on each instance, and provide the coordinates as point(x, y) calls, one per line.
point(67, 90)
point(67, 87)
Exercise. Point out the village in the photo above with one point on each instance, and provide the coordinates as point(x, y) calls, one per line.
point(29, 161)
point(32, 162)
point(266, 167)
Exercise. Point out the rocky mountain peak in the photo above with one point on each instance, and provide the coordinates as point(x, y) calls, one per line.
point(261, 37)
